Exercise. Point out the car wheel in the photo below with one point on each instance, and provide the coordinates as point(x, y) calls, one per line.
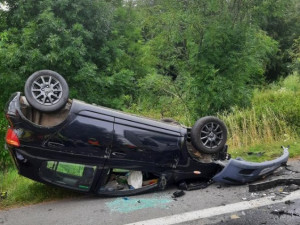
point(46, 91)
point(209, 135)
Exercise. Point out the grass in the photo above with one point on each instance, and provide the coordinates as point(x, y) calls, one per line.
point(23, 191)
point(264, 152)
point(274, 117)
point(246, 128)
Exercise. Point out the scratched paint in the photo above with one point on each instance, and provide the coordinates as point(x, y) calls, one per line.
point(126, 205)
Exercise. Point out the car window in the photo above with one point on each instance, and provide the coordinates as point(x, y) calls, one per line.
point(76, 176)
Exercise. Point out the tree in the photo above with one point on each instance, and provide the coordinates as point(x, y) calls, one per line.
point(210, 49)
point(281, 20)
point(70, 37)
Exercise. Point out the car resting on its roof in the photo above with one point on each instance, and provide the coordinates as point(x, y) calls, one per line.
point(89, 148)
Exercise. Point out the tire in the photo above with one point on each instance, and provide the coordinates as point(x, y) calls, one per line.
point(209, 135)
point(46, 91)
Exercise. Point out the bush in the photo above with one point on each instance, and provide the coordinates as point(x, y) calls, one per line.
point(5, 161)
point(273, 116)
point(283, 100)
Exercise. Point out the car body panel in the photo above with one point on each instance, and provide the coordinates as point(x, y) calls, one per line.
point(85, 136)
point(238, 171)
point(149, 144)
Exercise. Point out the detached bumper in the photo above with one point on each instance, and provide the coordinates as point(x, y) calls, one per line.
point(240, 171)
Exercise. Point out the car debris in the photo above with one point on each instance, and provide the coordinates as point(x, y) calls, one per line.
point(256, 153)
point(283, 212)
point(194, 185)
point(273, 183)
point(289, 202)
point(234, 217)
point(93, 149)
point(178, 194)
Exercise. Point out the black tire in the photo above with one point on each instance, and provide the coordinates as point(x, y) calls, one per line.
point(46, 91)
point(209, 135)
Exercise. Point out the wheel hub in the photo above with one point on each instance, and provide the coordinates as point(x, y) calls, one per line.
point(46, 90)
point(211, 136)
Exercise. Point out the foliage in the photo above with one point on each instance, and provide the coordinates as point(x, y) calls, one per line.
point(214, 51)
point(162, 58)
point(209, 50)
point(281, 20)
point(70, 37)
point(273, 116)
point(4, 154)
point(283, 100)
point(295, 55)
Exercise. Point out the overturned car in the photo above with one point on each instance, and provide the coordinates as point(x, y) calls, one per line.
point(90, 148)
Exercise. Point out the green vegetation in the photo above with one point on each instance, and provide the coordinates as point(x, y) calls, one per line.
point(273, 116)
point(201, 56)
point(264, 152)
point(238, 59)
point(22, 191)
point(5, 161)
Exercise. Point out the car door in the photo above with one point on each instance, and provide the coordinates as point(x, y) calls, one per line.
point(143, 142)
point(88, 134)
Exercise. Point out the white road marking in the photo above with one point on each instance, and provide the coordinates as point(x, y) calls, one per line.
point(215, 211)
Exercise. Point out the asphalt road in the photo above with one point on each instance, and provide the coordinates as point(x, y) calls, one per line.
point(276, 214)
point(214, 205)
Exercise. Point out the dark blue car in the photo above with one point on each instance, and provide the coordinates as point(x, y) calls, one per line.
point(89, 148)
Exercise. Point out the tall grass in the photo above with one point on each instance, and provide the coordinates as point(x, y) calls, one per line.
point(246, 128)
point(273, 117)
